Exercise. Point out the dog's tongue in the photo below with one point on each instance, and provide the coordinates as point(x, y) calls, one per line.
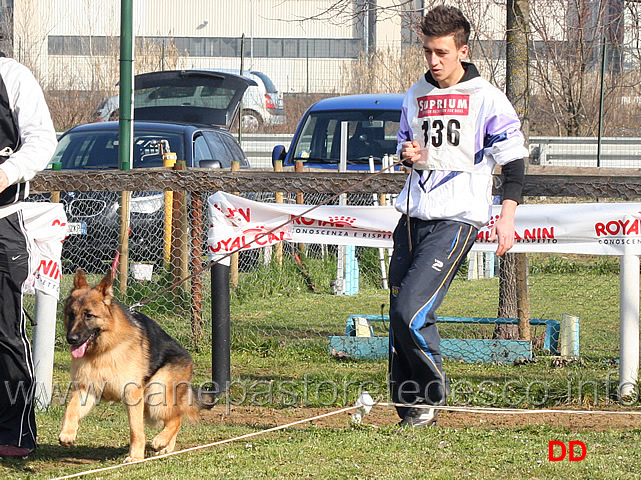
point(77, 351)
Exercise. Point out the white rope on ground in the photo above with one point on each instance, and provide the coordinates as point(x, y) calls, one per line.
point(509, 411)
point(200, 447)
point(368, 403)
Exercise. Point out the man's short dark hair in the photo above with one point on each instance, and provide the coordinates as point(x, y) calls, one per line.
point(443, 21)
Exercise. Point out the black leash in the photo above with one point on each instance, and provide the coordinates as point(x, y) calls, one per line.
point(407, 209)
point(407, 213)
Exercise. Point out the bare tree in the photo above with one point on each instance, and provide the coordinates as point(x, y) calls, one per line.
point(632, 27)
point(6, 30)
point(567, 36)
point(567, 60)
point(383, 71)
point(625, 99)
point(487, 39)
point(29, 37)
point(395, 70)
point(513, 278)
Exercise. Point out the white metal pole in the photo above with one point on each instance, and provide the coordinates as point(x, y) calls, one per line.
point(471, 266)
point(629, 325)
point(342, 200)
point(342, 166)
point(44, 338)
point(381, 251)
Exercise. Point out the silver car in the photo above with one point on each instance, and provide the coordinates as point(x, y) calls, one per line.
point(262, 104)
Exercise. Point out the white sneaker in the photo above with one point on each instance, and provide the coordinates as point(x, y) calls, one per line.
point(420, 417)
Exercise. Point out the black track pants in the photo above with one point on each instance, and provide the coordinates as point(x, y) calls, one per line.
point(17, 417)
point(419, 279)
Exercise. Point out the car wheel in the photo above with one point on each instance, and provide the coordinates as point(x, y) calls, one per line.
point(251, 121)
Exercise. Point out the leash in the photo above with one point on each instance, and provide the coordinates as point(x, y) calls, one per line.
point(407, 214)
point(407, 208)
point(220, 442)
point(201, 270)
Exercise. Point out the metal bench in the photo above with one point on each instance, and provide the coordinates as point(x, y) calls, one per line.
point(360, 342)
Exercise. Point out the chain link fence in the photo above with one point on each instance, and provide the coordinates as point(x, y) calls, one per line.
point(286, 296)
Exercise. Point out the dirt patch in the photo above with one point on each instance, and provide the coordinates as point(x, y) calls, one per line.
point(263, 417)
point(594, 422)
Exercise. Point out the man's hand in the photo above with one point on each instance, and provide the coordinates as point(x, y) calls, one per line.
point(4, 181)
point(411, 151)
point(504, 227)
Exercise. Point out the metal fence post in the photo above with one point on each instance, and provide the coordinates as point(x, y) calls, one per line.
point(629, 325)
point(44, 339)
point(220, 329)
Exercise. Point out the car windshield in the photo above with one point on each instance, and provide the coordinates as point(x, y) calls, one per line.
point(99, 150)
point(370, 133)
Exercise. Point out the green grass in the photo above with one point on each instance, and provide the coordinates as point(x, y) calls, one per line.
point(338, 453)
point(280, 361)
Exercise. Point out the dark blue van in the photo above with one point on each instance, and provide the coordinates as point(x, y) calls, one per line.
point(372, 124)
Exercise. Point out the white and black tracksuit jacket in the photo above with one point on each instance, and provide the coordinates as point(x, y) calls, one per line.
point(27, 142)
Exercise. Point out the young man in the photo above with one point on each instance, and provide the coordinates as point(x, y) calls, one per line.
point(455, 128)
point(27, 142)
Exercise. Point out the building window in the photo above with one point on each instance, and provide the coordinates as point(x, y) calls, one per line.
point(257, 47)
point(215, 46)
point(290, 48)
point(275, 47)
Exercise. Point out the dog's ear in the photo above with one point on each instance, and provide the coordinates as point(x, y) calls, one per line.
point(80, 280)
point(106, 287)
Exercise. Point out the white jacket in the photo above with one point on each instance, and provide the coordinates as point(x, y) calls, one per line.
point(469, 128)
point(31, 115)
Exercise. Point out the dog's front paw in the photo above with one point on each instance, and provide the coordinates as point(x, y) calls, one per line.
point(163, 451)
point(67, 439)
point(159, 446)
point(131, 459)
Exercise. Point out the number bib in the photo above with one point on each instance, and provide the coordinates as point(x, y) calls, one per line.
point(445, 128)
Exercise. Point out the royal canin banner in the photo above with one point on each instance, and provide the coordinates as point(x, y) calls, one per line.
point(583, 228)
point(46, 227)
point(238, 223)
point(587, 228)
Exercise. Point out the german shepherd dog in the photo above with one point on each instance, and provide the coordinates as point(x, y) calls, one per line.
point(125, 356)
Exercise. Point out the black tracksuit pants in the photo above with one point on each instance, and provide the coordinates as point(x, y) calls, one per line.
point(17, 382)
point(419, 279)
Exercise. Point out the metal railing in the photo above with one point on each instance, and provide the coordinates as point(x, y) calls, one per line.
point(618, 152)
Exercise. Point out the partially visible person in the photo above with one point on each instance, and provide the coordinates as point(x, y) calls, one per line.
point(455, 128)
point(27, 143)
point(108, 109)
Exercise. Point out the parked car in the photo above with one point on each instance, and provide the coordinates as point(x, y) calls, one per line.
point(197, 134)
point(372, 122)
point(262, 104)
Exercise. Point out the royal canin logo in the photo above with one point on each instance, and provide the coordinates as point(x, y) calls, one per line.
point(335, 222)
point(526, 235)
point(50, 269)
point(618, 228)
point(437, 105)
point(250, 238)
point(235, 215)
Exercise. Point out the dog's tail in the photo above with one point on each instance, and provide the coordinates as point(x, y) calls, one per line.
point(205, 399)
